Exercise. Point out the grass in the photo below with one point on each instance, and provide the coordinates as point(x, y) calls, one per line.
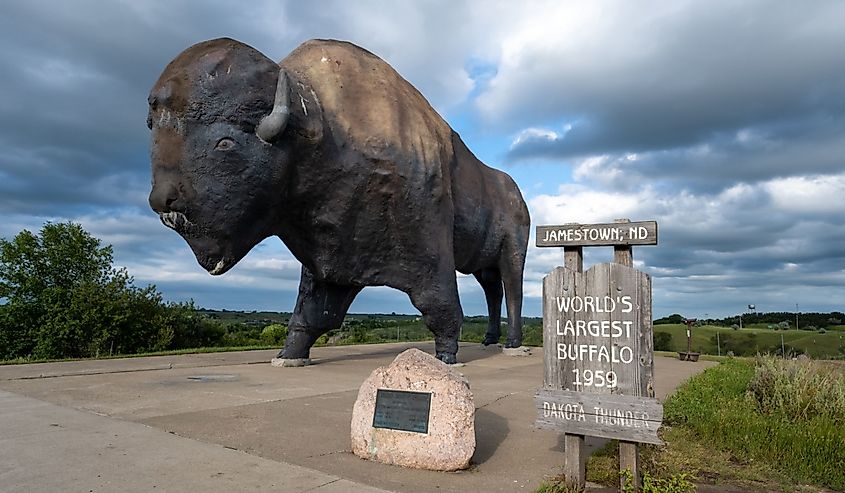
point(762, 424)
point(729, 408)
point(360, 329)
point(685, 453)
point(407, 328)
point(556, 485)
point(751, 341)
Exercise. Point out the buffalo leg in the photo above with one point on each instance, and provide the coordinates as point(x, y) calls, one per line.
point(491, 281)
point(511, 266)
point(320, 307)
point(437, 300)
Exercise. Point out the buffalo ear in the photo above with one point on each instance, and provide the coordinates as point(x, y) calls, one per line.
point(273, 125)
point(307, 122)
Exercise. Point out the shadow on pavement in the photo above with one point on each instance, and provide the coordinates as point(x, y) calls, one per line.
point(491, 431)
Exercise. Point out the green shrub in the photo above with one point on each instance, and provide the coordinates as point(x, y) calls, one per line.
point(193, 330)
point(798, 390)
point(241, 335)
point(662, 341)
point(741, 343)
point(274, 334)
point(532, 334)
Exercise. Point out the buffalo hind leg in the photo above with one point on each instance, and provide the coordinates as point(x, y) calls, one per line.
point(511, 265)
point(491, 282)
point(440, 306)
point(320, 307)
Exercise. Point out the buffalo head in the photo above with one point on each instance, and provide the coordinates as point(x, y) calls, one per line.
point(217, 114)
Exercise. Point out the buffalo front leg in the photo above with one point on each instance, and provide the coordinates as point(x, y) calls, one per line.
point(320, 307)
point(491, 281)
point(437, 300)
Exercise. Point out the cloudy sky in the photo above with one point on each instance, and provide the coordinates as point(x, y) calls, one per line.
point(724, 121)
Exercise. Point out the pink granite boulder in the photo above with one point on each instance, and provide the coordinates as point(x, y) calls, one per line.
point(450, 441)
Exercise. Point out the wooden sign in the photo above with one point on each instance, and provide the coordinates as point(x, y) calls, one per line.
point(598, 377)
point(621, 417)
point(597, 330)
point(607, 234)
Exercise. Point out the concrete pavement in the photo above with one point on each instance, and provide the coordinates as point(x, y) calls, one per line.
point(231, 422)
point(45, 447)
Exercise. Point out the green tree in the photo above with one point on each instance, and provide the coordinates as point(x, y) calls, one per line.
point(662, 341)
point(64, 299)
point(274, 334)
point(674, 318)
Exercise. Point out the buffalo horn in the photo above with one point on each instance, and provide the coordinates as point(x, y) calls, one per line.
point(272, 125)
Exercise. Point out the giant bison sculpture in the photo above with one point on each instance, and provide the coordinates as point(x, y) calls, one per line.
point(335, 153)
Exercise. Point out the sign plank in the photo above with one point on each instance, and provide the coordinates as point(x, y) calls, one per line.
point(622, 417)
point(604, 234)
point(597, 330)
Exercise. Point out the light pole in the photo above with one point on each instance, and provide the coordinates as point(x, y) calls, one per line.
point(796, 316)
point(718, 343)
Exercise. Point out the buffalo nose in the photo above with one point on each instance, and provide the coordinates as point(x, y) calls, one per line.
point(163, 197)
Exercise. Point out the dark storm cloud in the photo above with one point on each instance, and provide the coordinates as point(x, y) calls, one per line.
point(810, 145)
point(722, 120)
point(73, 111)
point(777, 242)
point(72, 118)
point(694, 75)
point(77, 76)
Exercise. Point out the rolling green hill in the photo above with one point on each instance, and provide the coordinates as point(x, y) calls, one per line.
point(750, 341)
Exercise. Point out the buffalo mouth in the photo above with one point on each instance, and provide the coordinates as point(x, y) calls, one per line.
point(179, 222)
point(219, 267)
point(205, 250)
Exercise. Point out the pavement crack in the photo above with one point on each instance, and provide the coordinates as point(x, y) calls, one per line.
point(324, 454)
point(324, 484)
point(497, 399)
point(169, 366)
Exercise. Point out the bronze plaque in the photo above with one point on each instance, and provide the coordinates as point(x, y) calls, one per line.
point(402, 410)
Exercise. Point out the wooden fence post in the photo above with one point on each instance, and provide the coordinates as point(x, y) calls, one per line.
point(629, 453)
point(575, 462)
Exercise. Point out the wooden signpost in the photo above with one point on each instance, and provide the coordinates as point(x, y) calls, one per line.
point(598, 378)
point(689, 355)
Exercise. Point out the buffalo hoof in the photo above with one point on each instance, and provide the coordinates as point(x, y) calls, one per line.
point(489, 340)
point(512, 343)
point(290, 362)
point(448, 358)
point(517, 351)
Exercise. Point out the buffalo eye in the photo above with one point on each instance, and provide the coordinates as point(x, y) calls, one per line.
point(225, 144)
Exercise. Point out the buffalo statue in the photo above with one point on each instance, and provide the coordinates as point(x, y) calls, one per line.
point(340, 157)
